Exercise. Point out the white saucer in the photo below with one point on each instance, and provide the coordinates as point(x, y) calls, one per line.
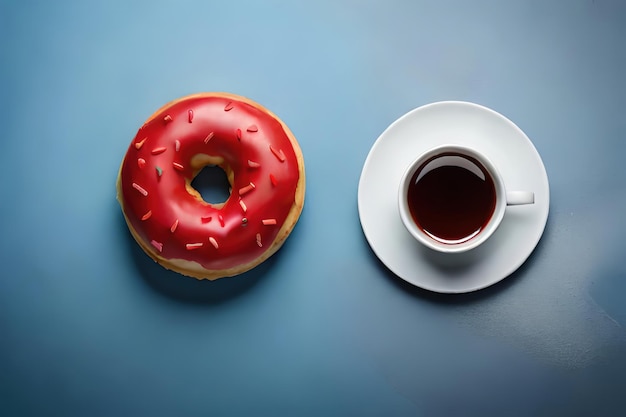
point(467, 124)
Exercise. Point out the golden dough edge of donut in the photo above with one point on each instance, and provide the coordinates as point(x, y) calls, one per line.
point(195, 270)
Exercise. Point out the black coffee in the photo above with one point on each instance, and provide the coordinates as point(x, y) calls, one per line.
point(451, 197)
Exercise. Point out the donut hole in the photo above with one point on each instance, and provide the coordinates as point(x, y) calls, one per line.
point(212, 184)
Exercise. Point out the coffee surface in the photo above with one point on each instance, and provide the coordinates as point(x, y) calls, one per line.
point(451, 198)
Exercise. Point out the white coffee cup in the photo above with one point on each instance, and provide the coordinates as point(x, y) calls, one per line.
point(446, 193)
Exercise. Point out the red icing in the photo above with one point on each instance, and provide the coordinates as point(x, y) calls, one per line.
point(265, 168)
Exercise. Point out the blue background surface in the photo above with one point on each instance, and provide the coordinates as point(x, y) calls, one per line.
point(89, 326)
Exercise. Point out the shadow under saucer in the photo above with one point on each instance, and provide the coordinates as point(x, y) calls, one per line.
point(447, 263)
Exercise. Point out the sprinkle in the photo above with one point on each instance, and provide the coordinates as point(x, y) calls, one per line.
point(258, 240)
point(252, 128)
point(206, 219)
point(167, 118)
point(139, 144)
point(221, 219)
point(159, 171)
point(208, 138)
point(157, 151)
point(253, 164)
point(141, 162)
point(273, 180)
point(268, 222)
point(157, 245)
point(174, 226)
point(229, 106)
point(278, 154)
point(178, 166)
point(244, 221)
point(147, 215)
point(246, 189)
point(190, 115)
point(177, 145)
point(140, 189)
point(214, 242)
point(192, 246)
point(238, 133)
point(243, 206)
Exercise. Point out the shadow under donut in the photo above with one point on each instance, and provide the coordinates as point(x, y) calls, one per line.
point(182, 288)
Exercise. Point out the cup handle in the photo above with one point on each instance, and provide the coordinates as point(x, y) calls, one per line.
point(517, 198)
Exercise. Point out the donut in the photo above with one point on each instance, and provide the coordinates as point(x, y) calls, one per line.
point(169, 219)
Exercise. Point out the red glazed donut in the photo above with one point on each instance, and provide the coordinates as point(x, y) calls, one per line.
point(170, 220)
